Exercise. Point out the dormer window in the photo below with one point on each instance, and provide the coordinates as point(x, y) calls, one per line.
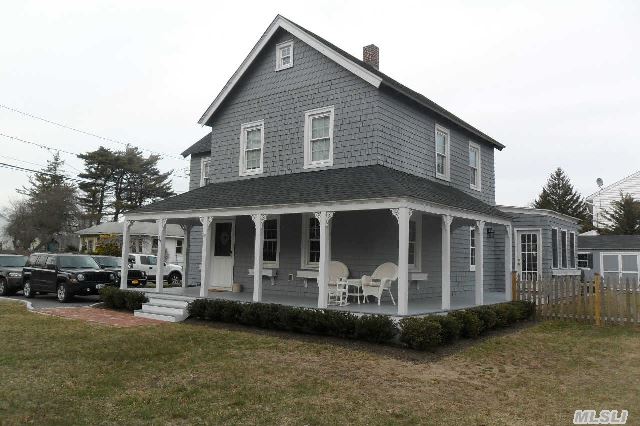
point(284, 55)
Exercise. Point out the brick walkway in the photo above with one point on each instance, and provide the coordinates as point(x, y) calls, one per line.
point(100, 316)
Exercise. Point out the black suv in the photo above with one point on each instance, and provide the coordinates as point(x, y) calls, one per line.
point(113, 264)
point(11, 273)
point(66, 275)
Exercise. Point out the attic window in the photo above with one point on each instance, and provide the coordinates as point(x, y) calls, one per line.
point(284, 55)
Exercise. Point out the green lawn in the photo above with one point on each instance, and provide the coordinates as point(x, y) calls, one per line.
point(59, 371)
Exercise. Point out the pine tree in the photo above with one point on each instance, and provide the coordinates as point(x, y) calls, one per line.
point(99, 169)
point(559, 195)
point(624, 216)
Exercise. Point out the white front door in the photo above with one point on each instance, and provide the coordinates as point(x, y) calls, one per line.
point(222, 245)
point(528, 258)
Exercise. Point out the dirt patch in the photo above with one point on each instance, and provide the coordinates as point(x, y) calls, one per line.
point(100, 316)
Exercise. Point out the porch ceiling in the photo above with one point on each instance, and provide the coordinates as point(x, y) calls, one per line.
point(322, 186)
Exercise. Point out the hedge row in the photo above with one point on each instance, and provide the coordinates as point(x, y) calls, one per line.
point(415, 332)
point(372, 328)
point(126, 300)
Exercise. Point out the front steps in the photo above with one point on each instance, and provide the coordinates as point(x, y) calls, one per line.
point(165, 307)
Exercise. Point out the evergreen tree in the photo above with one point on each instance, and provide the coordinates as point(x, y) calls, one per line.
point(624, 216)
point(559, 195)
point(99, 169)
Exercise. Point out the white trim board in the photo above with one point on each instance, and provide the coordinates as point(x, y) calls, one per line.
point(281, 22)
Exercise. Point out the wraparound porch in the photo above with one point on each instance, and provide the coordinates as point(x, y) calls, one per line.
point(391, 239)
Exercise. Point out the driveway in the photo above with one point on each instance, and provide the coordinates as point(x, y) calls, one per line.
point(50, 301)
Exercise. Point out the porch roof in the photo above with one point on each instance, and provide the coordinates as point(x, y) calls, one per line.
point(328, 185)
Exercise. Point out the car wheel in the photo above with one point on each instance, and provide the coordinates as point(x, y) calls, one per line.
point(27, 291)
point(63, 293)
point(175, 278)
point(4, 288)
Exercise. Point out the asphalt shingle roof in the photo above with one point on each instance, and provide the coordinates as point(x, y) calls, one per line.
point(138, 228)
point(200, 147)
point(609, 242)
point(345, 184)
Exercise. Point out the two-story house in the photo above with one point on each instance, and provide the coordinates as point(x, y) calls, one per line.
point(315, 156)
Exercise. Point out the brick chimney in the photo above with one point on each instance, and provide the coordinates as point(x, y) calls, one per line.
point(371, 55)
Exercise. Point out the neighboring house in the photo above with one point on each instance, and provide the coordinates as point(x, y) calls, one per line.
point(314, 155)
point(143, 239)
point(615, 257)
point(601, 201)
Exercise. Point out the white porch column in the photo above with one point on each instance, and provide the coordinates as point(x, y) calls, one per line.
point(124, 270)
point(205, 261)
point(162, 233)
point(258, 220)
point(403, 214)
point(508, 250)
point(186, 248)
point(446, 262)
point(479, 262)
point(324, 218)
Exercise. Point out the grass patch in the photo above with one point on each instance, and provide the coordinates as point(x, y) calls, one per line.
point(60, 371)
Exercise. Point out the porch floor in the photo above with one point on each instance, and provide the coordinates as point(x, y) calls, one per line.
point(419, 307)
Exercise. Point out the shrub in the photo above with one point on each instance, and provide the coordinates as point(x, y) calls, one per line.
point(487, 316)
point(375, 328)
point(526, 310)
point(114, 298)
point(471, 325)
point(197, 308)
point(506, 314)
point(420, 333)
point(451, 327)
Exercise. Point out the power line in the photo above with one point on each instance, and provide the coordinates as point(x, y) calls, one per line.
point(24, 169)
point(84, 132)
point(39, 145)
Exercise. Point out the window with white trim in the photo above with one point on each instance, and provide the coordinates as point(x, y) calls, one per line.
point(318, 137)
point(472, 248)
point(563, 245)
point(205, 166)
point(415, 242)
point(572, 250)
point(251, 148)
point(585, 260)
point(475, 165)
point(179, 244)
point(442, 152)
point(554, 248)
point(310, 241)
point(270, 247)
point(284, 55)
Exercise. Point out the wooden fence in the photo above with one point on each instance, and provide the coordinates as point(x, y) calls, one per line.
point(597, 302)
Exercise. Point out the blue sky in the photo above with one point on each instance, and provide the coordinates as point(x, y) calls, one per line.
point(557, 82)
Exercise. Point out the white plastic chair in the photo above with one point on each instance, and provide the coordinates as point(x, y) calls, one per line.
point(379, 281)
point(338, 274)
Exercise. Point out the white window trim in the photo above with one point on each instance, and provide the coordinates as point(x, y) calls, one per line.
point(566, 249)
point(243, 144)
point(558, 248)
point(279, 47)
point(447, 164)
point(203, 180)
point(417, 265)
point(478, 186)
point(472, 267)
point(304, 255)
point(275, 264)
point(620, 271)
point(572, 259)
point(578, 260)
point(308, 115)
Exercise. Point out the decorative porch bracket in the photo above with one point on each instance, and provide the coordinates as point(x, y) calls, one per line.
point(508, 247)
point(124, 270)
point(402, 215)
point(258, 220)
point(162, 233)
point(205, 263)
point(186, 249)
point(324, 219)
point(446, 262)
point(480, 262)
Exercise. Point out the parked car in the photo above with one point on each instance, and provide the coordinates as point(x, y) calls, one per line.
point(67, 275)
point(148, 262)
point(11, 273)
point(135, 277)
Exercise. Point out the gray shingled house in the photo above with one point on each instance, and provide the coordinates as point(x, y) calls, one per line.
point(315, 157)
